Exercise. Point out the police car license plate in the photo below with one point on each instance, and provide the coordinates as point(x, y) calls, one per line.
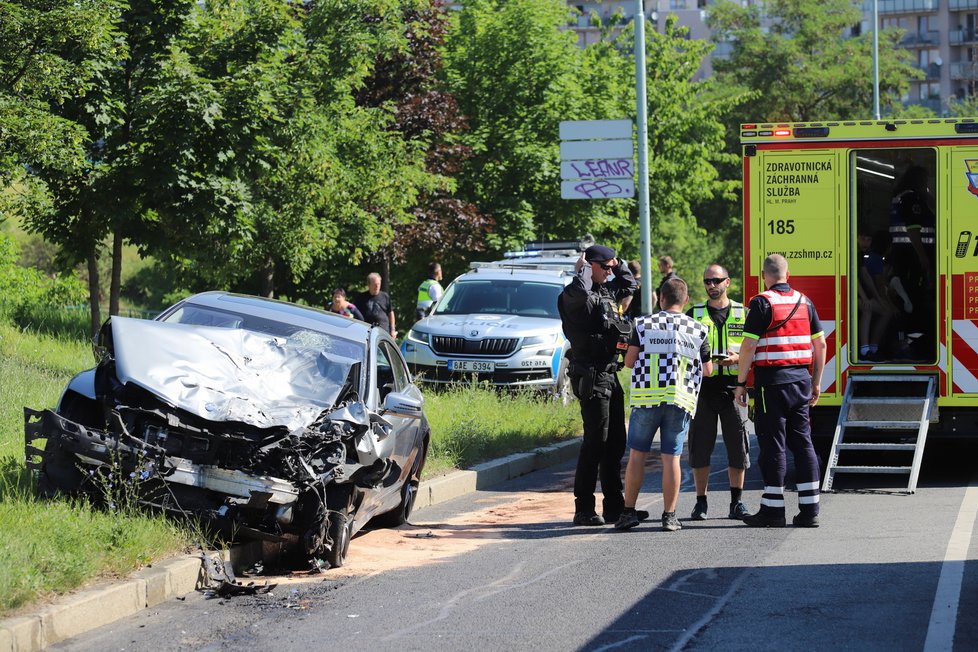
point(471, 365)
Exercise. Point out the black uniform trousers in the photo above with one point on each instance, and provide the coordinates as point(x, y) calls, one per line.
point(603, 414)
point(716, 400)
point(782, 420)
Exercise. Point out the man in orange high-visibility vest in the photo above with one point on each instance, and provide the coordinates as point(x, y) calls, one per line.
point(784, 343)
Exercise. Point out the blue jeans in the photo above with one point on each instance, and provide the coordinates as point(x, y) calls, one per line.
point(671, 420)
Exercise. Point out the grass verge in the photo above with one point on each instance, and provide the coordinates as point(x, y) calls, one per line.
point(51, 547)
point(472, 424)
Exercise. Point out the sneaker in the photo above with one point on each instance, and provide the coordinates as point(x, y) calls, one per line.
point(803, 520)
point(670, 523)
point(627, 520)
point(613, 517)
point(587, 518)
point(699, 512)
point(762, 519)
point(738, 511)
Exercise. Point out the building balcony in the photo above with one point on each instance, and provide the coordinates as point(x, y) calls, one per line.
point(931, 70)
point(921, 39)
point(961, 5)
point(961, 36)
point(903, 6)
point(964, 70)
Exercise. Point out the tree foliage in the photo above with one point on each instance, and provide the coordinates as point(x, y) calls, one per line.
point(802, 60)
point(516, 75)
point(266, 155)
point(273, 146)
point(516, 85)
point(50, 52)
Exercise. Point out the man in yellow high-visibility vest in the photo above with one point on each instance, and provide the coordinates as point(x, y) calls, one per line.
point(430, 291)
point(725, 318)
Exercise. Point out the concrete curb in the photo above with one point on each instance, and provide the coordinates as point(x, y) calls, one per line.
point(482, 476)
point(91, 608)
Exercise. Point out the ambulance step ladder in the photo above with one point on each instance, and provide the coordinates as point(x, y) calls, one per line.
point(883, 412)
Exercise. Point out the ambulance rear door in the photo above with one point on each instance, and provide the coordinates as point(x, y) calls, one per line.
point(800, 211)
point(961, 266)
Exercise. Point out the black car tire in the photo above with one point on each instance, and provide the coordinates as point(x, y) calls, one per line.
point(339, 531)
point(59, 475)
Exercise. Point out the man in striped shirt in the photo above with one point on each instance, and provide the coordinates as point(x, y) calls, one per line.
point(784, 343)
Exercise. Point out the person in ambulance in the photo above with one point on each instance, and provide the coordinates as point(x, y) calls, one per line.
point(913, 228)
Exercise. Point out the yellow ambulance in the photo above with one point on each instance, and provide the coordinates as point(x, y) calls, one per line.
point(879, 222)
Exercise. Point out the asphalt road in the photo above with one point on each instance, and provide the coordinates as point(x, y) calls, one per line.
point(505, 569)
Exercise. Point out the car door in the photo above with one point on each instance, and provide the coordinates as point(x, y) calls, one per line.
point(390, 375)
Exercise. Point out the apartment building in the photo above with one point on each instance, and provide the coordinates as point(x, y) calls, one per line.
point(942, 36)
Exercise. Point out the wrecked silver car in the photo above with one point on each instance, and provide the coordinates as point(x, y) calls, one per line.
point(271, 420)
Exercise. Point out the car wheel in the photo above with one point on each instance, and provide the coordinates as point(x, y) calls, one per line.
point(339, 531)
point(59, 474)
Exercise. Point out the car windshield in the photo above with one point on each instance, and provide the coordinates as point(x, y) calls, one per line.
point(321, 365)
point(501, 297)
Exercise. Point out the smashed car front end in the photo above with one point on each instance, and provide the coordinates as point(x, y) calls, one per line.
point(255, 433)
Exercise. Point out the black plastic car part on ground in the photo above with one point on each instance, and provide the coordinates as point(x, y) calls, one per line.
point(266, 419)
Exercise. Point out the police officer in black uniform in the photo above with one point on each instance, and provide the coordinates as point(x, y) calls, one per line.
point(598, 335)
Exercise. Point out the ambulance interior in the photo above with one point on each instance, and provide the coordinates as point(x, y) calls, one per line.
point(894, 274)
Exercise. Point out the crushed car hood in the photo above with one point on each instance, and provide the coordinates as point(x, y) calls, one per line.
point(226, 374)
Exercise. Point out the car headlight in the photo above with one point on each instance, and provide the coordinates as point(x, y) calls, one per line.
point(537, 340)
point(418, 335)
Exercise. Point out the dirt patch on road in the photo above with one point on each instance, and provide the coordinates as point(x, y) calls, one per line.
point(501, 517)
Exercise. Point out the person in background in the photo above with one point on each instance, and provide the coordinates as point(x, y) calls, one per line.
point(597, 332)
point(343, 307)
point(782, 339)
point(668, 354)
point(375, 305)
point(631, 307)
point(667, 271)
point(430, 291)
point(725, 317)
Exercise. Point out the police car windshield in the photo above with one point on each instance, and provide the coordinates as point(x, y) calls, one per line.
point(501, 297)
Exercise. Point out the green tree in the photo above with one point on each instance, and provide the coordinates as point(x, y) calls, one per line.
point(793, 61)
point(686, 147)
point(516, 74)
point(267, 158)
point(516, 86)
point(802, 60)
point(105, 197)
point(50, 53)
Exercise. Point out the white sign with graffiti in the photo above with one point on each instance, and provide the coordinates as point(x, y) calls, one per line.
point(596, 159)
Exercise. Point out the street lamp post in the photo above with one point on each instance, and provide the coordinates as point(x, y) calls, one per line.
point(643, 156)
point(876, 59)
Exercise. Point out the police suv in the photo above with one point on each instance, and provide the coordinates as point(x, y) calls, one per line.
point(499, 323)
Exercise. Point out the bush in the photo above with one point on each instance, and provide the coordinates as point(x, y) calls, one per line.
point(34, 300)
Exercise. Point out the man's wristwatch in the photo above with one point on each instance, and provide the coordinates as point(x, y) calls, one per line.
point(741, 384)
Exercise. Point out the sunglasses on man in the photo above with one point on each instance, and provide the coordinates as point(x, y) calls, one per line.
point(603, 266)
point(714, 281)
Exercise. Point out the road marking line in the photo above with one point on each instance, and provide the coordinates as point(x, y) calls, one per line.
point(626, 641)
point(711, 614)
point(943, 616)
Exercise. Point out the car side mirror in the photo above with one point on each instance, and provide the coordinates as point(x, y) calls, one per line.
point(403, 405)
